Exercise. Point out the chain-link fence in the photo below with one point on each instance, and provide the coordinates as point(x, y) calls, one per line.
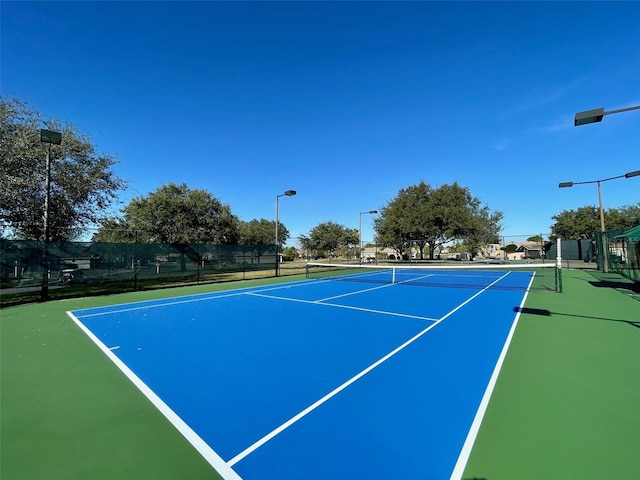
point(32, 270)
point(622, 248)
point(35, 270)
point(514, 247)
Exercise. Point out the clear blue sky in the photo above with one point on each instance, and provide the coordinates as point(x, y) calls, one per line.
point(345, 102)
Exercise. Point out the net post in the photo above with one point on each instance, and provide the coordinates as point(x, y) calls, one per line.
point(393, 274)
point(559, 267)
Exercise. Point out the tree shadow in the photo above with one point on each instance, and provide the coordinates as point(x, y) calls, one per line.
point(626, 286)
point(548, 313)
point(613, 280)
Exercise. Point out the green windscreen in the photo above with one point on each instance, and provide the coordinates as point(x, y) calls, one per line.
point(77, 268)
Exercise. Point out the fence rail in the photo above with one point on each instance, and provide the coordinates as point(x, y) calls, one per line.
point(32, 270)
point(623, 254)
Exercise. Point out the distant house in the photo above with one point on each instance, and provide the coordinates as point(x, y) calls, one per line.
point(530, 251)
point(515, 255)
point(493, 250)
point(523, 250)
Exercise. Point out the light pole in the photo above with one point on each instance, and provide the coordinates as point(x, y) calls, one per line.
point(595, 115)
point(605, 255)
point(288, 193)
point(52, 138)
point(371, 212)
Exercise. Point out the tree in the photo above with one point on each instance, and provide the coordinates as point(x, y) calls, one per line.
point(403, 220)
point(115, 230)
point(290, 253)
point(306, 245)
point(583, 222)
point(174, 214)
point(511, 248)
point(625, 217)
point(351, 238)
point(83, 186)
point(483, 229)
point(422, 216)
point(262, 232)
point(329, 237)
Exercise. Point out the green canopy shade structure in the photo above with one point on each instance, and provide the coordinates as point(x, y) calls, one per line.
point(632, 235)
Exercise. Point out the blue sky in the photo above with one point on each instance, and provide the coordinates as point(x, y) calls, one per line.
point(345, 102)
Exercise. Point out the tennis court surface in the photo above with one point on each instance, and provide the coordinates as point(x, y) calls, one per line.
point(354, 376)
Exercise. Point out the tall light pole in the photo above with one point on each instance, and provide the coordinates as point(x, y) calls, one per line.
point(596, 115)
point(372, 212)
point(288, 193)
point(52, 138)
point(605, 253)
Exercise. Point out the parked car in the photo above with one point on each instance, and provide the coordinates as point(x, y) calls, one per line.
point(69, 274)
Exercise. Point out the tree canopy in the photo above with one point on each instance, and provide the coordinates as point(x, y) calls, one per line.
point(421, 215)
point(262, 232)
point(83, 186)
point(327, 238)
point(483, 228)
point(174, 214)
point(583, 222)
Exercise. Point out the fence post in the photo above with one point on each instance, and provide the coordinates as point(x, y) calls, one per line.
point(559, 266)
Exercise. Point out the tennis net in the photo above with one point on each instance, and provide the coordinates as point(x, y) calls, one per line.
point(507, 276)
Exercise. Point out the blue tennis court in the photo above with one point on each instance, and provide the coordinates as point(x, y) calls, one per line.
point(320, 379)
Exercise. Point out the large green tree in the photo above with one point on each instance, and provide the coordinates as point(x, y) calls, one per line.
point(402, 220)
point(262, 232)
point(583, 222)
point(83, 184)
point(330, 237)
point(174, 214)
point(483, 228)
point(421, 216)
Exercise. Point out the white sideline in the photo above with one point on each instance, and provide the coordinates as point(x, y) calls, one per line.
point(187, 432)
point(465, 452)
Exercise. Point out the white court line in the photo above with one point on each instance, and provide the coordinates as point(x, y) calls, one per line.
point(409, 280)
point(356, 292)
point(465, 452)
point(157, 305)
point(337, 390)
point(348, 307)
point(154, 303)
point(202, 298)
point(187, 432)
